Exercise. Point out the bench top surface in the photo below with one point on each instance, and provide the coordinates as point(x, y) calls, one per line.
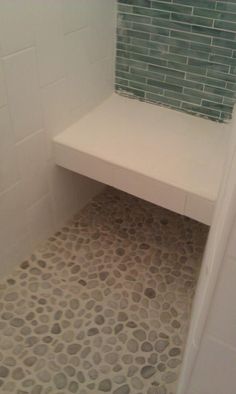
point(178, 149)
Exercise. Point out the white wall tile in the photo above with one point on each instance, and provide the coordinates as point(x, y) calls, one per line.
point(40, 220)
point(75, 14)
point(16, 25)
point(69, 191)
point(12, 217)
point(39, 97)
point(101, 78)
point(9, 173)
point(23, 92)
point(215, 370)
point(78, 68)
point(3, 97)
point(32, 154)
point(101, 29)
point(55, 107)
point(232, 242)
point(222, 318)
point(36, 187)
point(6, 135)
point(49, 40)
point(18, 251)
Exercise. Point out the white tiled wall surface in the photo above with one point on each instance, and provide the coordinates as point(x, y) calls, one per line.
point(215, 367)
point(56, 63)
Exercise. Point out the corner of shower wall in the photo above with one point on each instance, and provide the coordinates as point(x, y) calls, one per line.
point(203, 340)
point(56, 63)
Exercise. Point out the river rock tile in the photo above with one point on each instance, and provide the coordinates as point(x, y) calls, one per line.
point(104, 304)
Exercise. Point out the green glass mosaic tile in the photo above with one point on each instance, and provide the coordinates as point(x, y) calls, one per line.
point(178, 53)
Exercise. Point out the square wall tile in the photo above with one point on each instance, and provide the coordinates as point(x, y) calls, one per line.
point(219, 360)
point(78, 69)
point(32, 153)
point(49, 40)
point(6, 135)
point(40, 220)
point(9, 169)
point(55, 107)
point(3, 97)
point(222, 318)
point(12, 216)
point(23, 93)
point(16, 25)
point(75, 15)
point(231, 251)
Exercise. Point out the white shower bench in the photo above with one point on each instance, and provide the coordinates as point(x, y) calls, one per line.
point(163, 156)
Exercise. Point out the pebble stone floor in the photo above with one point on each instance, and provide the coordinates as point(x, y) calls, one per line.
point(103, 306)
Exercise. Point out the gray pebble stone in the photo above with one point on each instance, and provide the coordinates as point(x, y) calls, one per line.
point(75, 269)
point(3, 371)
point(161, 345)
point(132, 370)
point(146, 347)
point(103, 275)
point(30, 361)
point(40, 350)
point(161, 390)
point(18, 373)
point(74, 304)
point(119, 379)
point(92, 331)
point(85, 352)
point(105, 386)
point(93, 374)
point(11, 296)
point(17, 322)
point(153, 358)
point(140, 335)
point(97, 295)
point(148, 371)
point(10, 361)
point(173, 363)
point(73, 348)
point(44, 376)
point(99, 319)
point(118, 328)
point(38, 389)
point(60, 380)
point(127, 358)
point(28, 383)
point(150, 293)
point(175, 351)
point(161, 367)
point(131, 324)
point(73, 387)
point(80, 377)
point(132, 345)
point(152, 390)
point(137, 383)
point(169, 377)
point(70, 370)
point(111, 358)
point(125, 389)
point(56, 329)
point(97, 358)
point(122, 316)
point(58, 315)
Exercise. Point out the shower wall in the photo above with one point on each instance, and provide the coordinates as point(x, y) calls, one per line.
point(56, 62)
point(179, 53)
point(209, 365)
